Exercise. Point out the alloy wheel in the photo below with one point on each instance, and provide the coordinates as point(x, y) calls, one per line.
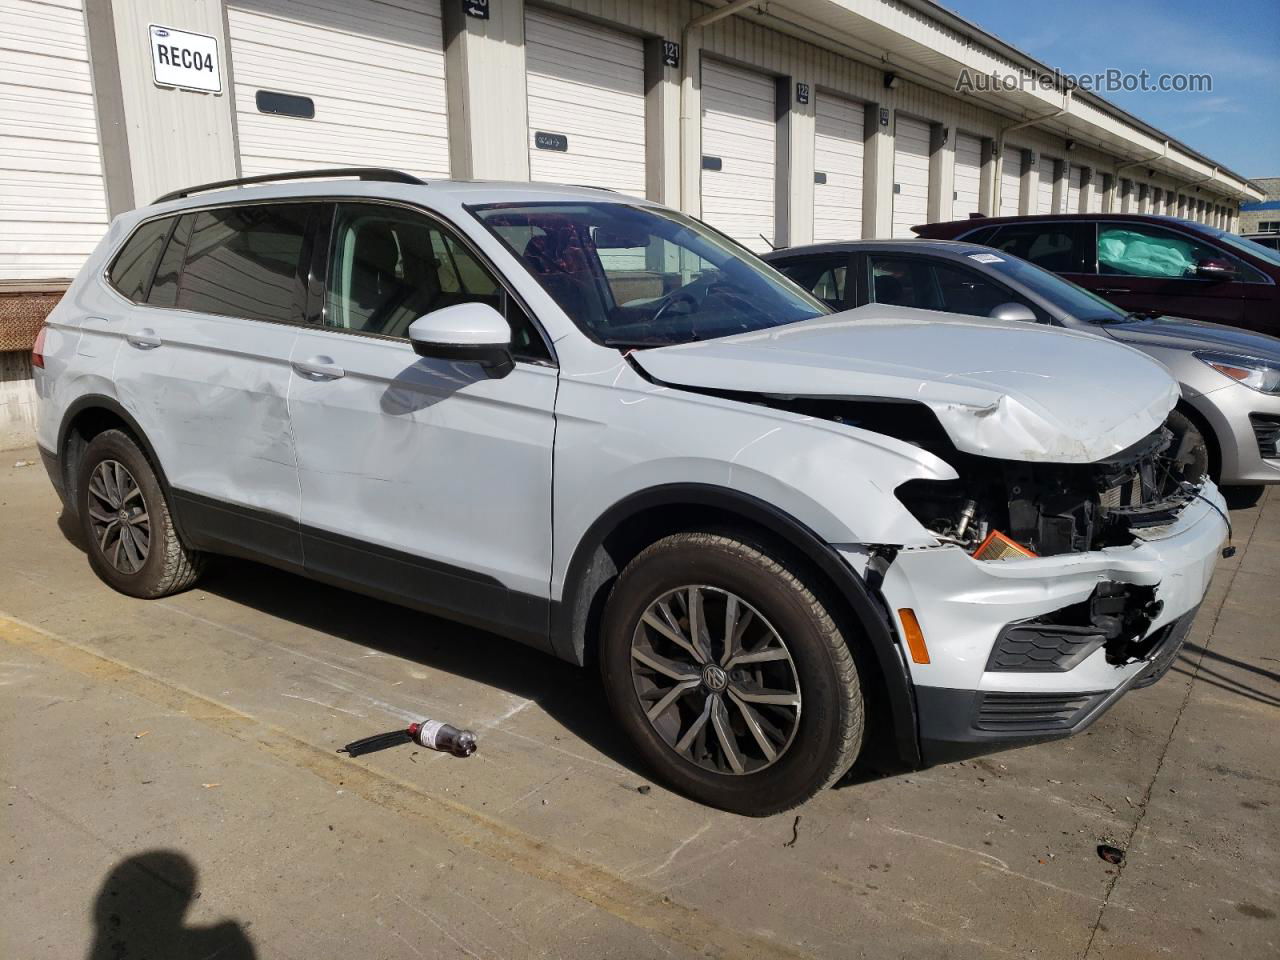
point(118, 516)
point(715, 680)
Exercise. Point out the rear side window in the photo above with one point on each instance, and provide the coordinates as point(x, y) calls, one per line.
point(1054, 246)
point(823, 278)
point(247, 262)
point(135, 264)
point(164, 289)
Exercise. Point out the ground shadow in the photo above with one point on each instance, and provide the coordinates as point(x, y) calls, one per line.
point(141, 911)
point(570, 695)
point(1241, 498)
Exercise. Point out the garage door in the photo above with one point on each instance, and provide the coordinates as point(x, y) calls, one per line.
point(837, 164)
point(53, 206)
point(1075, 178)
point(968, 176)
point(372, 72)
point(1010, 181)
point(1097, 183)
point(1044, 193)
point(738, 143)
point(910, 175)
point(586, 99)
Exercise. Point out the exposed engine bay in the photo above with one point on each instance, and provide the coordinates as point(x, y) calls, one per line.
point(1001, 508)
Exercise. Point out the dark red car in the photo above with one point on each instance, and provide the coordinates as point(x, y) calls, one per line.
point(1143, 264)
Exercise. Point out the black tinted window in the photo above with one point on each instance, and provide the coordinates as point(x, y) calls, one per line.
point(245, 262)
point(902, 282)
point(823, 278)
point(164, 289)
point(1053, 246)
point(388, 267)
point(981, 236)
point(136, 262)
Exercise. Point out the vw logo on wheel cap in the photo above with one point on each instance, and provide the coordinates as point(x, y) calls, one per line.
point(715, 678)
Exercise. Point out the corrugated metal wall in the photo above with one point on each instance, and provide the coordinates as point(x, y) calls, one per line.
point(53, 205)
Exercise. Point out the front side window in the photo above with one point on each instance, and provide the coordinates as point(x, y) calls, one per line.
point(135, 264)
point(632, 276)
point(389, 266)
point(1138, 250)
point(929, 285)
point(247, 262)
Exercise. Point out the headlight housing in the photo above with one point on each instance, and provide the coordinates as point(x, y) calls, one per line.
point(1260, 375)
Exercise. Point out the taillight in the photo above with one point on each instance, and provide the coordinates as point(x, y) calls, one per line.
point(37, 351)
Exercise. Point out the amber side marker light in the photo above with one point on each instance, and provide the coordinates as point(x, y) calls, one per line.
point(915, 636)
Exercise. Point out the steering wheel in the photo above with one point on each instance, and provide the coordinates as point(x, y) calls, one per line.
point(683, 295)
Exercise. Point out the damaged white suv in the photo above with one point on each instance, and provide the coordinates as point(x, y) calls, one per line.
point(596, 426)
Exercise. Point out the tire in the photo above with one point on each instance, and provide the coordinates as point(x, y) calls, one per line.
point(148, 560)
point(790, 640)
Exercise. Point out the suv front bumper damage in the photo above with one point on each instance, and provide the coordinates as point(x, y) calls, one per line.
point(1036, 649)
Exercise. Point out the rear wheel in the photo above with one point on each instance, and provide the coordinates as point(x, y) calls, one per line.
point(729, 674)
point(125, 519)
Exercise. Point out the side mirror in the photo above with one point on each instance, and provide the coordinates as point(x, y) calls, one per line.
point(1013, 311)
point(1215, 270)
point(470, 332)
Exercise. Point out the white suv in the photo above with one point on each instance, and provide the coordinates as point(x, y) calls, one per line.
point(601, 428)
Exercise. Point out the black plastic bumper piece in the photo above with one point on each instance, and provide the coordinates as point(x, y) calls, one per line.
point(53, 467)
point(958, 724)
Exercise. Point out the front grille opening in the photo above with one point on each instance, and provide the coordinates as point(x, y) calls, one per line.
point(1266, 429)
point(1115, 616)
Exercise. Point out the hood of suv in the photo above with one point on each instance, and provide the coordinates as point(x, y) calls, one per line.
point(1002, 389)
point(1179, 334)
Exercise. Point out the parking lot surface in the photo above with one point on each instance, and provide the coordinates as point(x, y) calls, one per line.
point(172, 788)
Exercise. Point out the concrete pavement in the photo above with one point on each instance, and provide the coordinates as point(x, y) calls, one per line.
point(172, 789)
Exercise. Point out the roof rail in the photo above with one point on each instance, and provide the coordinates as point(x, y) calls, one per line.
point(363, 173)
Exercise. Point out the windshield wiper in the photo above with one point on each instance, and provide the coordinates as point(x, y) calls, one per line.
point(641, 343)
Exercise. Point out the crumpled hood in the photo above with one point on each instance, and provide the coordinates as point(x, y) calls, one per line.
point(1005, 389)
point(1179, 334)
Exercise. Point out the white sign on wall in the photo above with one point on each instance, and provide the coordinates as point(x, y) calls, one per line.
point(185, 60)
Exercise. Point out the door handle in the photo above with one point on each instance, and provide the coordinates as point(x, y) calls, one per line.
point(318, 368)
point(1114, 290)
point(144, 339)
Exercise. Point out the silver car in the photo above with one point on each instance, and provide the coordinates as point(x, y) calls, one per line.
point(1230, 378)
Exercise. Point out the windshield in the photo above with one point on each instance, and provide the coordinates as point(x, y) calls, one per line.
point(1266, 254)
point(1080, 303)
point(633, 276)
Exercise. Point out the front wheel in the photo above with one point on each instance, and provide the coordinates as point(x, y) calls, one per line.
point(729, 674)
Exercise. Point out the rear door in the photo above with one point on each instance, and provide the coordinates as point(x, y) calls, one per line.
point(423, 480)
point(204, 369)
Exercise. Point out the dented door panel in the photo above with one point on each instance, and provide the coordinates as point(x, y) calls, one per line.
point(210, 393)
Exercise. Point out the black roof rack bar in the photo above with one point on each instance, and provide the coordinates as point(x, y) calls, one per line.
point(382, 174)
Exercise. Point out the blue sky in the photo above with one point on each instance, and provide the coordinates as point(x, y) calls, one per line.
point(1236, 41)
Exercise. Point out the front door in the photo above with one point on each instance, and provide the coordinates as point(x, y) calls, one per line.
point(1149, 268)
point(423, 480)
